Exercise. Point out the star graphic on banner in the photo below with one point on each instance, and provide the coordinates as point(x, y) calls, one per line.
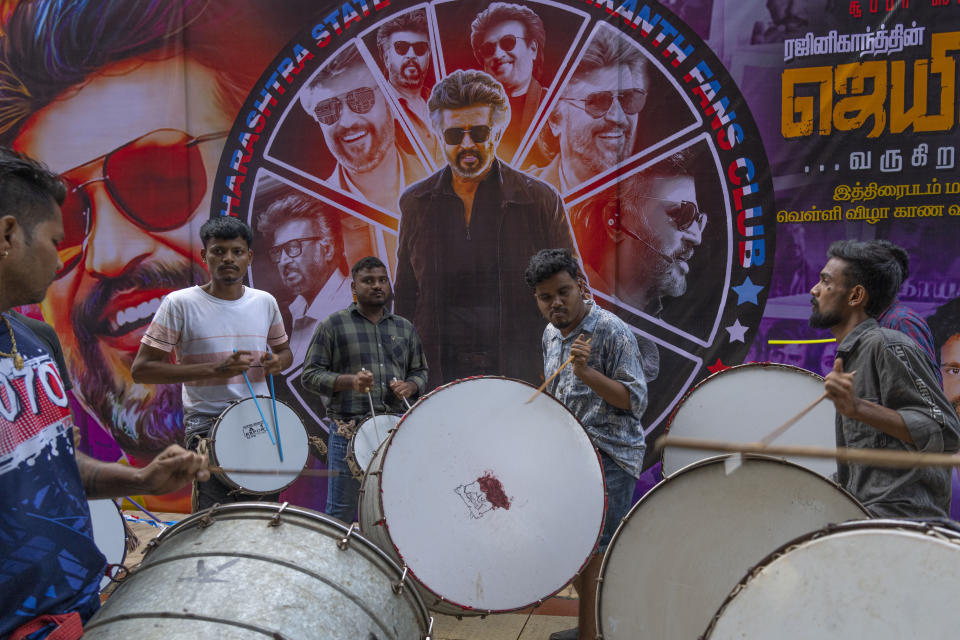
point(747, 292)
point(717, 367)
point(737, 331)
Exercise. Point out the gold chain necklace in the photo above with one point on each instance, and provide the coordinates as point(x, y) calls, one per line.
point(17, 358)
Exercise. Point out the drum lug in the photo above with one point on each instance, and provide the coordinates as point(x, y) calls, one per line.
point(398, 587)
point(344, 542)
point(207, 519)
point(429, 630)
point(275, 520)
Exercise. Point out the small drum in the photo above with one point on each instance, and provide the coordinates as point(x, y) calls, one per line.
point(696, 533)
point(239, 440)
point(262, 570)
point(371, 433)
point(109, 532)
point(878, 579)
point(745, 403)
point(493, 504)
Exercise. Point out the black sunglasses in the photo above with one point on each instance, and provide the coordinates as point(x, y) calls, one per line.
point(292, 248)
point(359, 100)
point(478, 133)
point(598, 103)
point(507, 43)
point(402, 46)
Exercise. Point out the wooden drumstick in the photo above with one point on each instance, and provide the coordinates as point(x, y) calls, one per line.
point(773, 435)
point(552, 376)
point(317, 473)
point(874, 457)
point(404, 398)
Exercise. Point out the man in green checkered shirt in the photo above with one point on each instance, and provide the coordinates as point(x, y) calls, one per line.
point(360, 356)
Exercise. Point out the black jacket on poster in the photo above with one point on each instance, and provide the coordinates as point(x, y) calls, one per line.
point(530, 217)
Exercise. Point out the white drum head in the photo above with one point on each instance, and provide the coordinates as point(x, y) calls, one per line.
point(681, 548)
point(883, 580)
point(493, 503)
point(240, 441)
point(109, 532)
point(370, 435)
point(747, 402)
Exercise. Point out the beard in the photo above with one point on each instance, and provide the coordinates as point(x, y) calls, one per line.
point(363, 160)
point(143, 419)
point(820, 320)
point(410, 76)
point(479, 168)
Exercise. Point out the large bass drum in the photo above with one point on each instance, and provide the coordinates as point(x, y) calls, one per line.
point(239, 441)
point(249, 571)
point(681, 548)
point(879, 579)
point(745, 403)
point(492, 503)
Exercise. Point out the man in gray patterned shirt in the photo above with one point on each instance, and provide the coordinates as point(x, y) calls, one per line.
point(604, 388)
point(894, 401)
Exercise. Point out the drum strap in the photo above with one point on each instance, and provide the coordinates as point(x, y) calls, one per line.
point(64, 626)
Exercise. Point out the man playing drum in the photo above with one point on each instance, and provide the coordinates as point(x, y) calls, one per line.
point(50, 568)
point(384, 359)
point(219, 333)
point(605, 388)
point(894, 401)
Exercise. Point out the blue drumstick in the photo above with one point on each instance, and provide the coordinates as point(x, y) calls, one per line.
point(259, 410)
point(276, 423)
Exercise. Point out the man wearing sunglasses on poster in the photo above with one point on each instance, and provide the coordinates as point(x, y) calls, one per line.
point(359, 130)
point(508, 41)
point(135, 123)
point(307, 248)
point(637, 243)
point(466, 233)
point(405, 50)
point(594, 124)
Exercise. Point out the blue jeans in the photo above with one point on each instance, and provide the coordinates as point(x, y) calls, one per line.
point(342, 489)
point(620, 485)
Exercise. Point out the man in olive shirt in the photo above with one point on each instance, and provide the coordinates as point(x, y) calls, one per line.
point(894, 401)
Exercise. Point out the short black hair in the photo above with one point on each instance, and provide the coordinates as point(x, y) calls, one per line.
point(944, 324)
point(873, 266)
point(26, 188)
point(369, 262)
point(546, 263)
point(225, 228)
point(414, 22)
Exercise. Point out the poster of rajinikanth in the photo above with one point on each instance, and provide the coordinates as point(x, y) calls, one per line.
point(697, 156)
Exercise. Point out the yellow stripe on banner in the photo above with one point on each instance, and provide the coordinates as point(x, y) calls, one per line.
point(817, 341)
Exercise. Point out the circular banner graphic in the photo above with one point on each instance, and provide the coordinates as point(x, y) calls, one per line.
point(608, 127)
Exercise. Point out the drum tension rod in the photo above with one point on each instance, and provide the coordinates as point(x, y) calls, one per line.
point(429, 630)
point(344, 542)
point(398, 587)
point(275, 520)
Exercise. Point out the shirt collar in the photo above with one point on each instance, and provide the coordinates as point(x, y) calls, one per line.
point(849, 343)
point(317, 310)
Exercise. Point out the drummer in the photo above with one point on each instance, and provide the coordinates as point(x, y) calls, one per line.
point(50, 564)
point(219, 333)
point(605, 388)
point(360, 356)
point(883, 385)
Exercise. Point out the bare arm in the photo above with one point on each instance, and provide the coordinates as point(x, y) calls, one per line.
point(152, 366)
point(172, 469)
point(612, 391)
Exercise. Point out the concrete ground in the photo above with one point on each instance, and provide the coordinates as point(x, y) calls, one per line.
point(555, 614)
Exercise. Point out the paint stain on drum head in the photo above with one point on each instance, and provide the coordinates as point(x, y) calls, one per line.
point(493, 490)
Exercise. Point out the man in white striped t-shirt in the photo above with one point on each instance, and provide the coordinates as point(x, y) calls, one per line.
point(217, 332)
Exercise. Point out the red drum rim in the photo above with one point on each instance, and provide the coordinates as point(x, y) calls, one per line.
point(386, 524)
